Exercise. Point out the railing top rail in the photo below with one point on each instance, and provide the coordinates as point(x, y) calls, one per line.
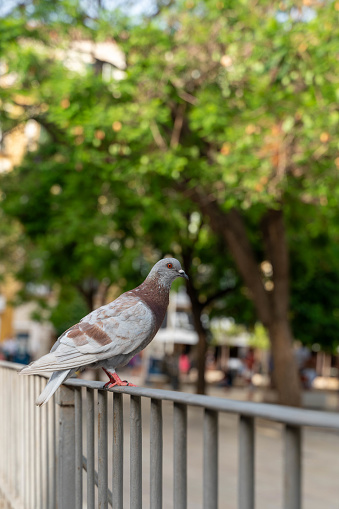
point(277, 413)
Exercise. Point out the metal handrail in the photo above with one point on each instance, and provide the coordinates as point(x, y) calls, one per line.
point(277, 413)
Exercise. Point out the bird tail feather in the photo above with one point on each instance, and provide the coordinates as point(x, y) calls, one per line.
point(53, 384)
point(45, 363)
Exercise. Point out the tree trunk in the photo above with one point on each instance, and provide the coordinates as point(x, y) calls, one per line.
point(272, 305)
point(201, 361)
point(197, 309)
point(285, 372)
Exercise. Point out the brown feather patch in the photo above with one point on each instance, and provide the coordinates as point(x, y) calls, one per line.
point(74, 331)
point(96, 333)
point(77, 335)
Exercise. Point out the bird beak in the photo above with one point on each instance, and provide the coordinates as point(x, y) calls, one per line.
point(182, 273)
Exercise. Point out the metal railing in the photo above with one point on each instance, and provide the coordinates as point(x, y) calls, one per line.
point(42, 463)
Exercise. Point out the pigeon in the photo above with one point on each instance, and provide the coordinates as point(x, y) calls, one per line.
point(111, 335)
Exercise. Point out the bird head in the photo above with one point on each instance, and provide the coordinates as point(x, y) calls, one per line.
point(167, 270)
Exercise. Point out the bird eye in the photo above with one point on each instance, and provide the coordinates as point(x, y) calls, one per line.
point(169, 265)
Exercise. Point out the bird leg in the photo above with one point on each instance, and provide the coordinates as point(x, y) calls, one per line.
point(115, 380)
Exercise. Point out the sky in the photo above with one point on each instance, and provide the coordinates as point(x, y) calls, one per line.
point(133, 7)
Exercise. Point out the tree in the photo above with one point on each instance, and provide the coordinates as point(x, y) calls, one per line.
point(229, 106)
point(250, 122)
point(73, 234)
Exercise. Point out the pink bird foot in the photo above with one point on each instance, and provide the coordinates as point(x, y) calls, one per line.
point(115, 381)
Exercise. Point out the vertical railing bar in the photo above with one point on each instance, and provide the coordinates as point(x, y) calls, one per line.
point(27, 440)
point(40, 446)
point(3, 408)
point(118, 451)
point(102, 451)
point(156, 454)
point(21, 431)
point(21, 456)
point(66, 450)
point(10, 439)
point(246, 463)
point(78, 448)
point(22, 439)
point(56, 434)
point(37, 446)
point(51, 454)
point(6, 401)
point(16, 435)
point(2, 421)
point(32, 443)
point(37, 452)
point(9, 434)
point(5, 422)
point(45, 462)
point(90, 450)
point(210, 480)
point(180, 456)
point(7, 426)
point(292, 467)
point(135, 453)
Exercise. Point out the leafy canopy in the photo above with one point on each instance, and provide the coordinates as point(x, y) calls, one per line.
point(238, 99)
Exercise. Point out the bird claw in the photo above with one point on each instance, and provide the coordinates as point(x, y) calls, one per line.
point(115, 381)
point(108, 385)
point(123, 383)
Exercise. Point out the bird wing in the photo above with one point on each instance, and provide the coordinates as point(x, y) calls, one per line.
point(117, 328)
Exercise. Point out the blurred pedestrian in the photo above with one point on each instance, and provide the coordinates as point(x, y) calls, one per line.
point(10, 348)
point(184, 364)
point(171, 368)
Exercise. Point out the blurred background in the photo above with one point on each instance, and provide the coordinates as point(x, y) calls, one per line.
point(204, 130)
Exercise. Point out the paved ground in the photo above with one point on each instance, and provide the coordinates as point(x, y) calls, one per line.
point(320, 462)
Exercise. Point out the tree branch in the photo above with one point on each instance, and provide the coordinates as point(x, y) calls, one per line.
point(178, 123)
point(160, 8)
point(189, 98)
point(159, 140)
point(231, 227)
point(216, 296)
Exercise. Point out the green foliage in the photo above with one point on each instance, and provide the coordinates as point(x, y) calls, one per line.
point(259, 338)
point(238, 99)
